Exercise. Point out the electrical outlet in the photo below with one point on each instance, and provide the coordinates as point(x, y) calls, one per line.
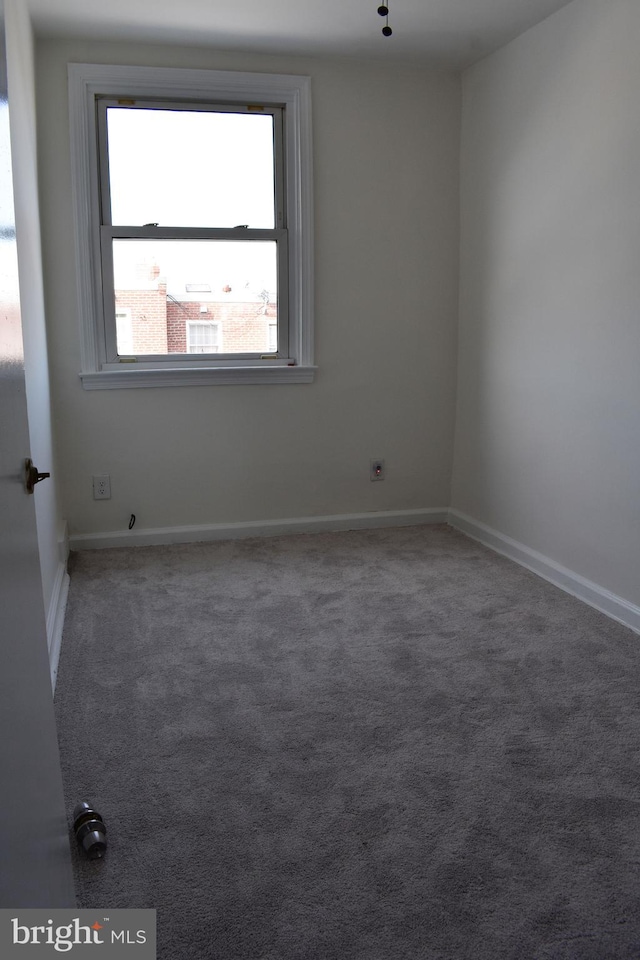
point(102, 487)
point(377, 470)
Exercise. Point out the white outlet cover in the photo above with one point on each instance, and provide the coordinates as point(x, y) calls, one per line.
point(102, 487)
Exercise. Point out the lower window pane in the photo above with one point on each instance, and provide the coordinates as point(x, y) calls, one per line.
point(195, 296)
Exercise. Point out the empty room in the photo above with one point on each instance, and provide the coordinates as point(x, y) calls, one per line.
point(320, 446)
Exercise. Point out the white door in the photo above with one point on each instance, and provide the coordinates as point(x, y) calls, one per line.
point(35, 863)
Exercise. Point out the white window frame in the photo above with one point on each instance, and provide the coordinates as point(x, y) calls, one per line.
point(86, 82)
point(124, 313)
point(215, 324)
point(271, 345)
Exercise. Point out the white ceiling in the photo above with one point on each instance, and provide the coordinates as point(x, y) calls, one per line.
point(447, 32)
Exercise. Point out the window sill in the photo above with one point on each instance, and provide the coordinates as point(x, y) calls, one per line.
point(202, 376)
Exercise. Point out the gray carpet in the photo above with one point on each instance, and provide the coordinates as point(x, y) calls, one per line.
point(379, 745)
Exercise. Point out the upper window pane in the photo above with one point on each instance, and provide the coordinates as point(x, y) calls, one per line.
point(191, 168)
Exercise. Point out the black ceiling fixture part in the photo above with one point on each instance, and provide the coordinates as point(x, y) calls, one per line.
point(383, 10)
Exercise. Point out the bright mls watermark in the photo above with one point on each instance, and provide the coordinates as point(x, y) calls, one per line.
point(78, 933)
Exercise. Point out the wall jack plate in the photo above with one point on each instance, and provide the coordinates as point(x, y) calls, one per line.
point(376, 470)
point(102, 487)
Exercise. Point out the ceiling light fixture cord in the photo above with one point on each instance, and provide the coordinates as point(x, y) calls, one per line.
point(383, 10)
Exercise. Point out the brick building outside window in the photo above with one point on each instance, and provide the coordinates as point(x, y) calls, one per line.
point(154, 318)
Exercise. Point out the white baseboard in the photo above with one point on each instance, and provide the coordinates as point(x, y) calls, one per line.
point(258, 528)
point(586, 590)
point(55, 619)
point(589, 592)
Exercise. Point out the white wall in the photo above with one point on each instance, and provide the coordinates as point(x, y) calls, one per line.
point(21, 79)
point(386, 149)
point(548, 419)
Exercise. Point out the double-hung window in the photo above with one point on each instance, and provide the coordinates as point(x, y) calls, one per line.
point(203, 337)
point(193, 210)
